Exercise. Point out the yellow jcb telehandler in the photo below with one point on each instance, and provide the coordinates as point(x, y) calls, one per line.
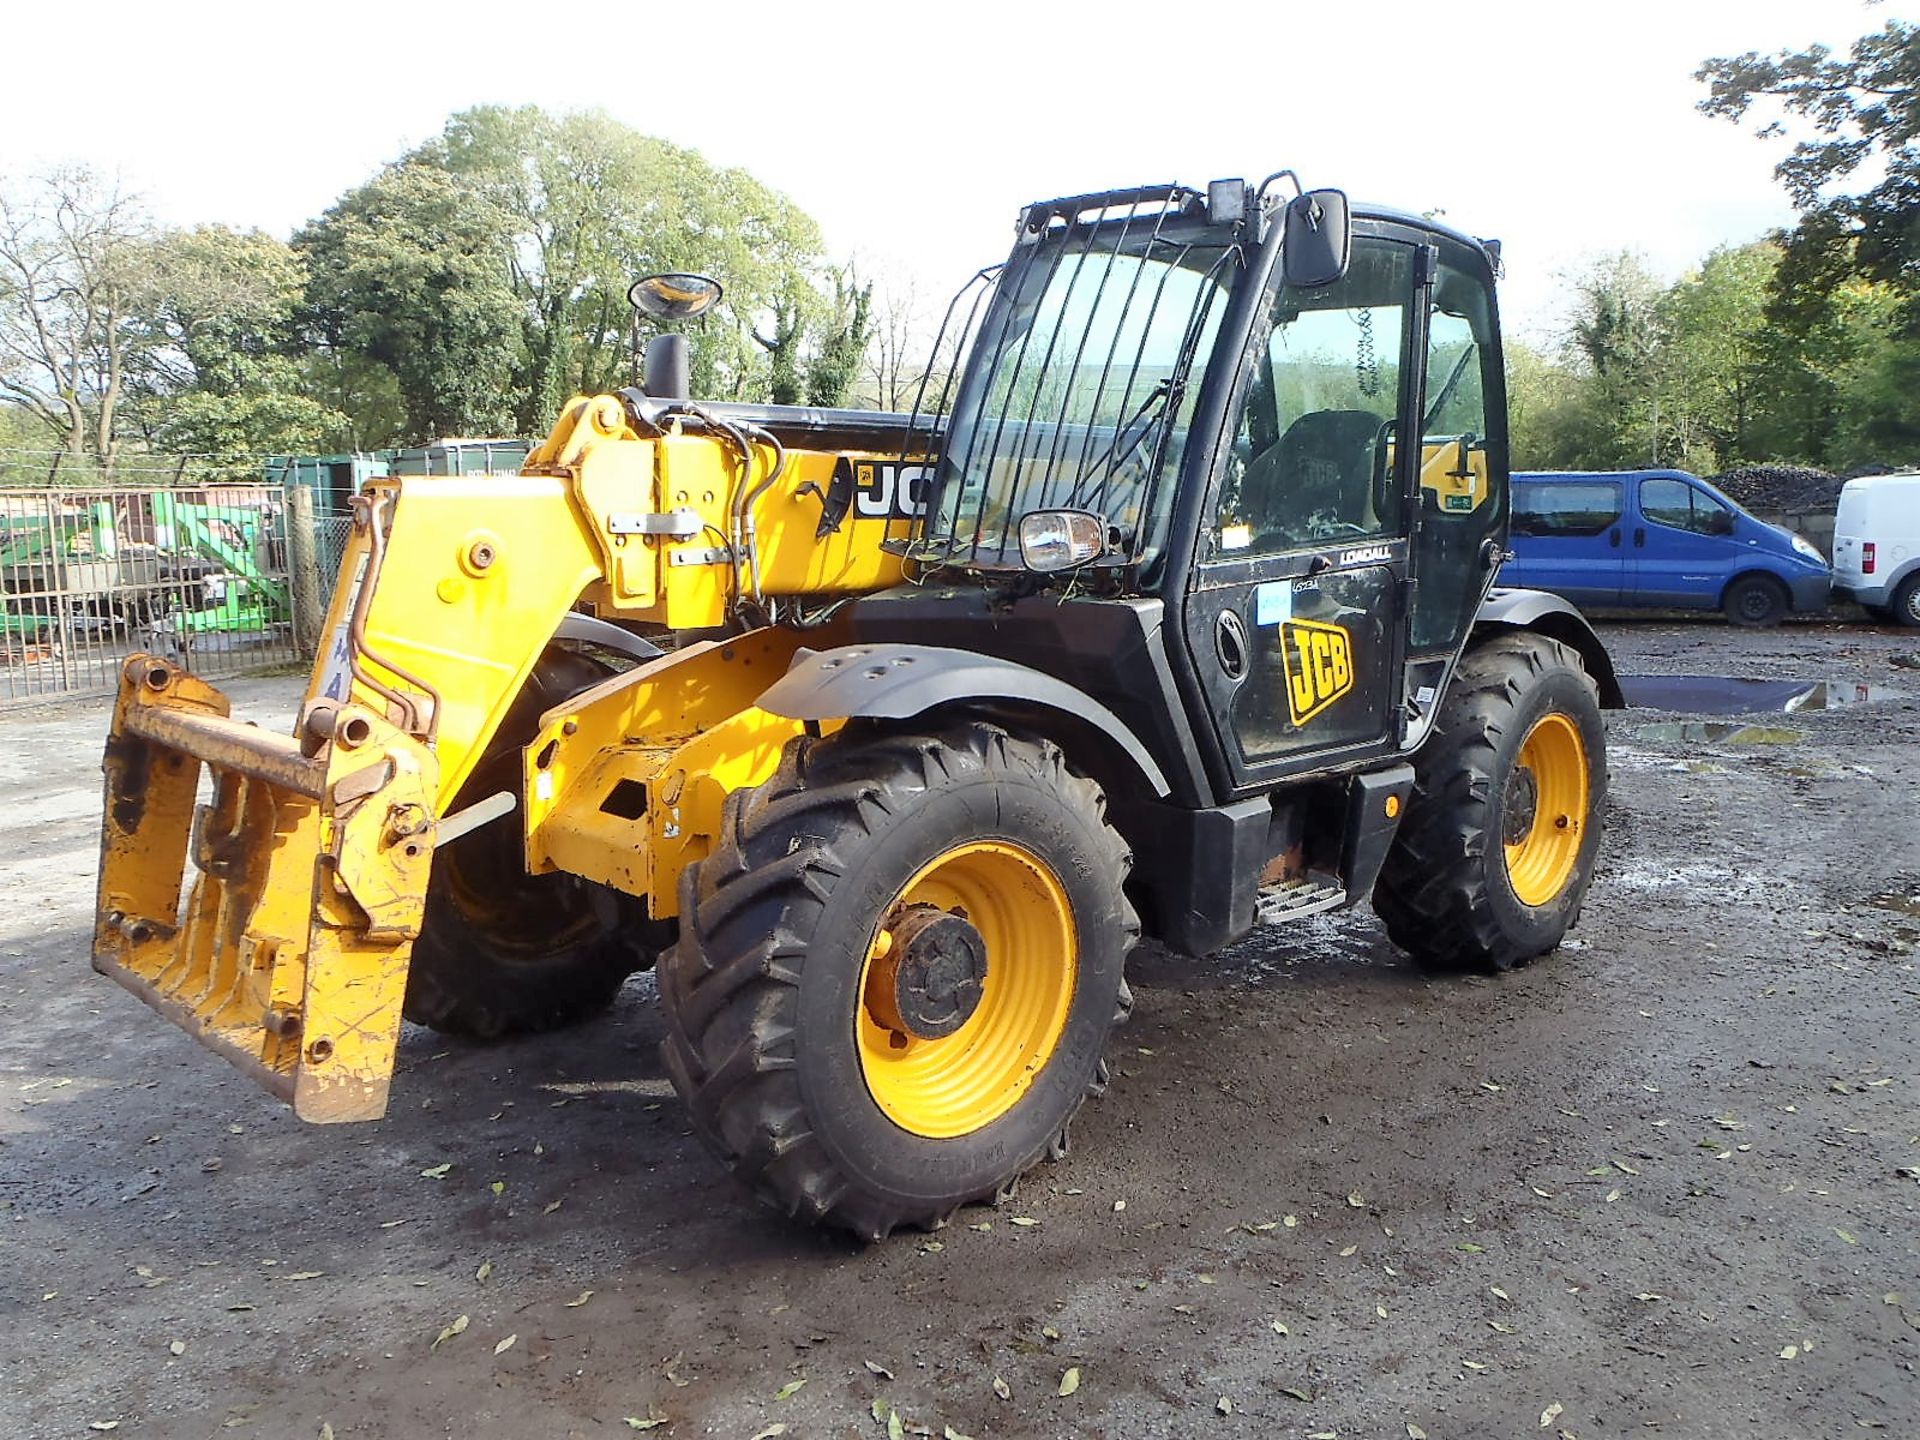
point(1169, 610)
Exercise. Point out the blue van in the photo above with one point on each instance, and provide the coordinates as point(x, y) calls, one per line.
point(1660, 538)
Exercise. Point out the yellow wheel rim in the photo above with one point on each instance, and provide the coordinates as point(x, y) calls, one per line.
point(961, 1082)
point(1546, 809)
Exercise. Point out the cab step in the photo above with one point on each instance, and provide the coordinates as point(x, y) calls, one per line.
point(1305, 895)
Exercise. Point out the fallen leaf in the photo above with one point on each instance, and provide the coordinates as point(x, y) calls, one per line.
point(549, 1209)
point(875, 1367)
point(1471, 1248)
point(896, 1429)
point(1414, 1432)
point(104, 1425)
point(1845, 1236)
point(1224, 1405)
point(326, 1430)
point(486, 1269)
point(1118, 1206)
point(1002, 1389)
point(1355, 1200)
point(1070, 1381)
point(778, 1427)
point(634, 1422)
point(1350, 1250)
point(499, 1187)
point(1543, 1194)
point(672, 1371)
point(1183, 1310)
point(1381, 1311)
point(1473, 1365)
point(389, 1224)
point(178, 1347)
point(1046, 1330)
point(1024, 1220)
point(1208, 1279)
point(437, 1172)
point(1290, 1221)
point(878, 1410)
point(584, 1296)
point(1502, 1327)
point(1612, 1195)
point(1279, 1327)
point(1297, 1393)
point(790, 1389)
point(458, 1326)
point(947, 1432)
point(1624, 1168)
point(506, 1344)
point(1550, 1414)
point(1498, 1293)
point(1790, 1352)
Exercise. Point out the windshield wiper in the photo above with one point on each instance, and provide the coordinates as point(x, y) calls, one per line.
point(1151, 415)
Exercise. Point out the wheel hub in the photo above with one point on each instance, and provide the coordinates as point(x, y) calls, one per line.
point(928, 973)
point(1522, 805)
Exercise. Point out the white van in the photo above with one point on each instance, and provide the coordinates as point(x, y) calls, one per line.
point(1876, 546)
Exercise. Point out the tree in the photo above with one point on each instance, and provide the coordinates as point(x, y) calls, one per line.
point(215, 372)
point(844, 337)
point(410, 272)
point(1709, 361)
point(1864, 110)
point(588, 205)
point(1841, 356)
point(68, 242)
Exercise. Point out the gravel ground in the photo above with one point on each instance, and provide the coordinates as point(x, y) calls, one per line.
point(1661, 1183)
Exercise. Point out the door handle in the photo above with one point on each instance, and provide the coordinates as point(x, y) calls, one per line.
point(1230, 644)
point(1639, 536)
point(1613, 539)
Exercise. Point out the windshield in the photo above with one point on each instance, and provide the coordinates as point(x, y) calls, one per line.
point(1082, 386)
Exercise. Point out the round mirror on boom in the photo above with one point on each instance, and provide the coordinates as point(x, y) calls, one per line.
point(674, 296)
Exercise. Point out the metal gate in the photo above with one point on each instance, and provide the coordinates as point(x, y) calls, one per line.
point(199, 574)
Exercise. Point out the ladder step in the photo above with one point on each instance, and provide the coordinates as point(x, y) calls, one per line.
point(1291, 899)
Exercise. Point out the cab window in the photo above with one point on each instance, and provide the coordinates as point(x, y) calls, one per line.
point(1311, 463)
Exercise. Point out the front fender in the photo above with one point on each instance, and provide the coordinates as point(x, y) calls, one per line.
point(898, 682)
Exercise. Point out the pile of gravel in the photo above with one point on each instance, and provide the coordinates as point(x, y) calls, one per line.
point(1781, 487)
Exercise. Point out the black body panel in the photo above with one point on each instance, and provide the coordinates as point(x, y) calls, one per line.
point(1114, 650)
point(1505, 610)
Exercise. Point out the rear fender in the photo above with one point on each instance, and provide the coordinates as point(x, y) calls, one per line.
point(1504, 611)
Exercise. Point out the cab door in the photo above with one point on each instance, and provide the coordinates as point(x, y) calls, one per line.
point(1293, 615)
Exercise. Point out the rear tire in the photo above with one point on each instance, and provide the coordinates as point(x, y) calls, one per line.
point(1905, 606)
point(502, 952)
point(821, 1106)
point(1474, 880)
point(1757, 602)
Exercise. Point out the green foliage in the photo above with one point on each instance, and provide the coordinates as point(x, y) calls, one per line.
point(410, 272)
point(216, 372)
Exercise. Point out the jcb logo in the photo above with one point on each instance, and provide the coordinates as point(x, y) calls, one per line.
point(1319, 665)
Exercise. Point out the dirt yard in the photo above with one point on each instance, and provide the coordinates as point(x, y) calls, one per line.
point(1665, 1182)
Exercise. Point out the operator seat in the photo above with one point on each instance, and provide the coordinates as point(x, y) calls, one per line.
point(1322, 466)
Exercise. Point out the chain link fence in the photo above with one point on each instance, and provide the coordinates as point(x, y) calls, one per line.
point(202, 574)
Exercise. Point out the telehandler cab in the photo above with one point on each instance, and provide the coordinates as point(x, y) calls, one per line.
point(884, 738)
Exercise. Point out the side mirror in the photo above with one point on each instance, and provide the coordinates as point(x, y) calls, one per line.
point(1318, 241)
point(674, 296)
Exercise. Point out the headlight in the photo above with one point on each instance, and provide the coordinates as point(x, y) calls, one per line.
point(1807, 548)
point(1060, 539)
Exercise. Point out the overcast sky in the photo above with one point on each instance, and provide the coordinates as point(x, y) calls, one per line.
point(914, 131)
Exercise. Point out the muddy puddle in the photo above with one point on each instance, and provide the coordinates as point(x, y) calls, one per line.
point(1746, 695)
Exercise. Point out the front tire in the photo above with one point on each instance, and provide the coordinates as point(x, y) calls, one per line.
point(503, 952)
point(1495, 853)
point(1757, 602)
point(897, 972)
